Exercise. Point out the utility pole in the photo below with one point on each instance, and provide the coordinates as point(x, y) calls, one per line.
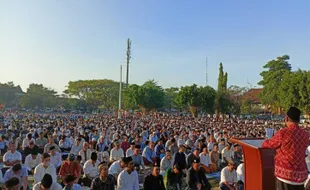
point(206, 71)
point(128, 59)
point(120, 95)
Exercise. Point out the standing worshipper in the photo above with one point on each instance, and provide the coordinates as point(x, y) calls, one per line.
point(104, 181)
point(290, 144)
point(154, 181)
point(128, 179)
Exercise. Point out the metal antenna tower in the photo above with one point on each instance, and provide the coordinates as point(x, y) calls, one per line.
point(206, 71)
point(128, 59)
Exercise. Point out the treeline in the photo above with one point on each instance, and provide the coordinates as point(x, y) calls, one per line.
point(282, 88)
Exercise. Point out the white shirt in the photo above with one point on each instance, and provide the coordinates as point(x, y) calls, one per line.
point(116, 154)
point(56, 160)
point(88, 154)
point(240, 172)
point(115, 168)
point(91, 169)
point(204, 159)
point(26, 142)
point(76, 149)
point(8, 156)
point(55, 186)
point(32, 163)
point(129, 152)
point(40, 171)
point(126, 181)
point(74, 187)
point(228, 154)
point(226, 175)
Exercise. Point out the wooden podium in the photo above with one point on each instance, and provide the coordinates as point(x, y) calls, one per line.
point(258, 164)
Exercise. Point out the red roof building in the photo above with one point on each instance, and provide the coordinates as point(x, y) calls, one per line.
point(252, 95)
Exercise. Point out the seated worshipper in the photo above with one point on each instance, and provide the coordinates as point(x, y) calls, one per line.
point(45, 168)
point(221, 147)
point(3, 145)
point(173, 178)
point(47, 184)
point(70, 184)
point(116, 153)
point(104, 181)
point(128, 179)
point(90, 169)
point(240, 175)
point(49, 144)
point(11, 184)
point(102, 145)
point(149, 156)
point(215, 157)
point(104, 157)
point(26, 140)
point(56, 159)
point(228, 177)
point(237, 155)
point(180, 158)
point(30, 148)
point(137, 158)
point(205, 161)
point(154, 181)
point(117, 167)
point(130, 150)
point(153, 137)
point(41, 141)
point(64, 144)
point(77, 147)
point(308, 162)
point(125, 144)
point(19, 172)
point(32, 161)
point(160, 150)
point(196, 178)
point(173, 147)
point(227, 154)
point(85, 153)
point(166, 162)
point(70, 167)
point(190, 158)
point(11, 157)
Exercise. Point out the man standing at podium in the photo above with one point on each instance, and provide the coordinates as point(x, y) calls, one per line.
point(290, 144)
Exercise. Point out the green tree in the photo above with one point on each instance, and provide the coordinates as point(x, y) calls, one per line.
point(272, 79)
point(149, 96)
point(38, 96)
point(246, 107)
point(10, 94)
point(96, 93)
point(170, 97)
point(294, 90)
point(207, 97)
point(235, 94)
point(189, 97)
point(222, 102)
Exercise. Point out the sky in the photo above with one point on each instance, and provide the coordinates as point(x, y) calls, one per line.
point(54, 41)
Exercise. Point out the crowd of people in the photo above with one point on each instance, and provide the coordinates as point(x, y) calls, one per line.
point(150, 152)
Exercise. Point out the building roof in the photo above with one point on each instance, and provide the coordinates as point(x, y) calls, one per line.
point(252, 95)
point(16, 89)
